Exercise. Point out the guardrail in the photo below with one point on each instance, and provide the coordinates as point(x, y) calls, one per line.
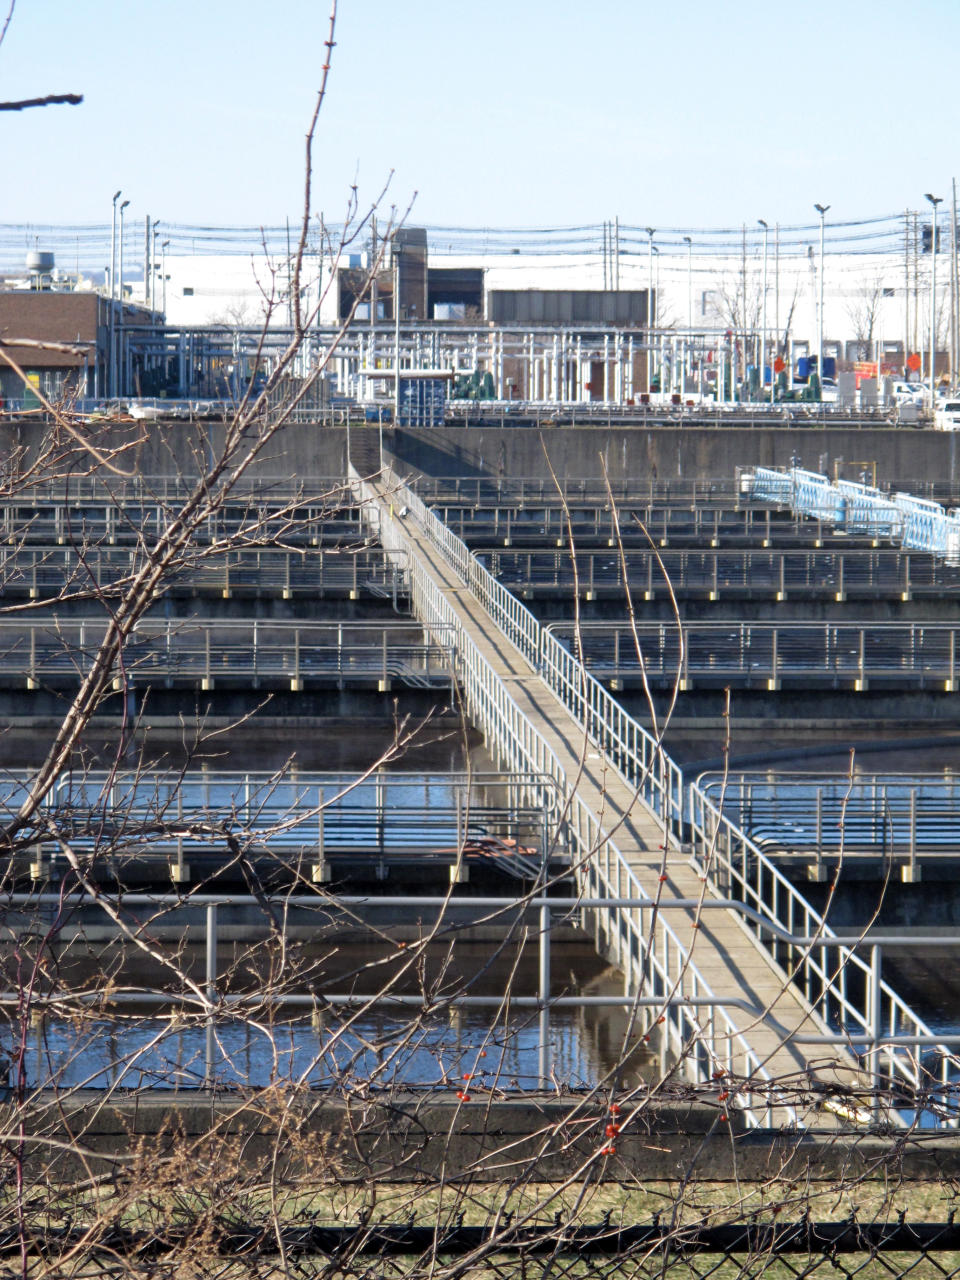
point(914, 653)
point(202, 652)
point(92, 521)
point(646, 768)
point(844, 986)
point(906, 817)
point(645, 946)
point(662, 523)
point(751, 572)
point(49, 572)
point(386, 818)
point(295, 912)
point(824, 987)
point(917, 523)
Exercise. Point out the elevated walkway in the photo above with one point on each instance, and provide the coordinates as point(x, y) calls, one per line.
point(624, 848)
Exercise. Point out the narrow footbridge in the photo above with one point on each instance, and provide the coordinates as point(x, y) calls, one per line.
point(750, 988)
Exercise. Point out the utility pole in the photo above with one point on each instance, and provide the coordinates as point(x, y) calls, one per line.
point(953, 285)
point(147, 283)
point(776, 296)
point(651, 310)
point(906, 289)
point(396, 331)
point(916, 281)
point(374, 297)
point(743, 294)
point(763, 320)
point(822, 210)
point(934, 201)
point(112, 370)
point(120, 369)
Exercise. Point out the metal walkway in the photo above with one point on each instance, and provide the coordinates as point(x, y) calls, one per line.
point(622, 847)
point(715, 575)
point(52, 572)
point(329, 824)
point(911, 819)
point(766, 655)
point(230, 653)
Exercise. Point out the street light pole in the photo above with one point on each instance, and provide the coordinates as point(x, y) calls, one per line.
point(153, 269)
point(650, 311)
point(120, 379)
point(689, 243)
point(163, 275)
point(658, 355)
point(396, 333)
point(763, 319)
point(934, 201)
point(822, 210)
point(112, 371)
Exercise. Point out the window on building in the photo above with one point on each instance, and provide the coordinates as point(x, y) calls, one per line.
point(188, 290)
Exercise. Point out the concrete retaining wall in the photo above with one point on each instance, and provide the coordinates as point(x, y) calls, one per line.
point(302, 451)
point(412, 1138)
point(668, 452)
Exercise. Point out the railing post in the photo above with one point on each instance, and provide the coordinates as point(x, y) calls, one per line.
point(321, 872)
point(211, 992)
point(819, 867)
point(544, 996)
point(912, 872)
point(873, 1021)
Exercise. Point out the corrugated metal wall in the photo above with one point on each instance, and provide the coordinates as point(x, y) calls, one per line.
point(625, 308)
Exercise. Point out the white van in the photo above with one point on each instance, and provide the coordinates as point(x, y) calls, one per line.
point(948, 417)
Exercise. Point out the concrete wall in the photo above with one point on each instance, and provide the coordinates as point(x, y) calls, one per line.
point(665, 452)
point(409, 1138)
point(631, 452)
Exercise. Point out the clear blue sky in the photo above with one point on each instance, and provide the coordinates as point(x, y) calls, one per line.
point(507, 112)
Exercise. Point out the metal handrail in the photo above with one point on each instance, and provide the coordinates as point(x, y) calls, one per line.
point(660, 957)
point(754, 570)
point(635, 753)
point(40, 649)
point(53, 570)
point(741, 869)
point(916, 522)
point(770, 650)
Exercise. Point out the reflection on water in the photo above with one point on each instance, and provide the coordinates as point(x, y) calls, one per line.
point(335, 1052)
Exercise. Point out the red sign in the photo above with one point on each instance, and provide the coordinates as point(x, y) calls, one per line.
point(778, 365)
point(913, 361)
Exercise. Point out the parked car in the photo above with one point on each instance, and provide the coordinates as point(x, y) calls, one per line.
point(948, 417)
point(906, 392)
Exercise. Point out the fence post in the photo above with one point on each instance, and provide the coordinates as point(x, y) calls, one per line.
point(211, 992)
point(544, 1020)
